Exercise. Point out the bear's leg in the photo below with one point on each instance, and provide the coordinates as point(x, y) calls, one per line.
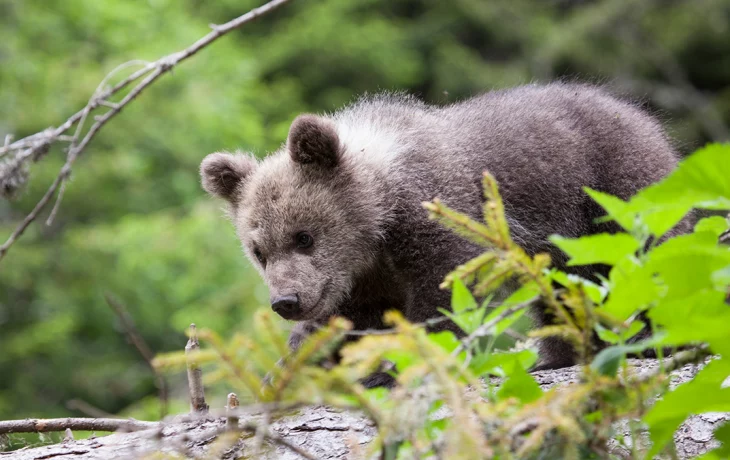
point(554, 352)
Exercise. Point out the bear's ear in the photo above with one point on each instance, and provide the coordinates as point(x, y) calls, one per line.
point(222, 173)
point(313, 139)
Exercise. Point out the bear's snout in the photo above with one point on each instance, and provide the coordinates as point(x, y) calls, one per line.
point(287, 306)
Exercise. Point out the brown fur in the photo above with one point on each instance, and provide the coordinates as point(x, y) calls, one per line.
point(355, 181)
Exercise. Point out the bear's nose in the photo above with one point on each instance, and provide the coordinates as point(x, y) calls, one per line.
point(287, 306)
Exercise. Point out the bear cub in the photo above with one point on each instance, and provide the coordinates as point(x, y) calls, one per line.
point(333, 220)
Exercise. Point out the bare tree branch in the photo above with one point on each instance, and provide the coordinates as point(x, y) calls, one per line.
point(34, 425)
point(33, 147)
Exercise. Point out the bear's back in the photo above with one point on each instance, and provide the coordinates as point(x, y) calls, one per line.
point(543, 143)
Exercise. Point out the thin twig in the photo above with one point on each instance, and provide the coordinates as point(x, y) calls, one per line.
point(136, 339)
point(31, 425)
point(37, 143)
point(56, 205)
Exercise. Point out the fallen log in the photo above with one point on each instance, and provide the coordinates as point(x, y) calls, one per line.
point(318, 432)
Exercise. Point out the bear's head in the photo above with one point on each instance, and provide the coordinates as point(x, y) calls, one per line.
point(306, 217)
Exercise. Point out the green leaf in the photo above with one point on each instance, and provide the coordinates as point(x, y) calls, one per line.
point(702, 394)
point(595, 292)
point(377, 394)
point(603, 248)
point(721, 278)
point(435, 427)
point(632, 288)
point(702, 180)
point(715, 225)
point(461, 298)
point(505, 323)
point(465, 312)
point(607, 335)
point(525, 293)
point(445, 339)
point(702, 317)
point(634, 328)
point(493, 363)
point(468, 321)
point(608, 360)
point(616, 208)
point(401, 358)
point(685, 264)
point(519, 384)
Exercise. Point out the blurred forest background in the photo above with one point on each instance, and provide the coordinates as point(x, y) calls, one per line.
point(134, 222)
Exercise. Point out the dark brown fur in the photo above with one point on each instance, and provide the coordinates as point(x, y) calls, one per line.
point(355, 180)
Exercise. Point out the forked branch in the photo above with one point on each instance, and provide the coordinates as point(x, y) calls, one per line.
point(33, 147)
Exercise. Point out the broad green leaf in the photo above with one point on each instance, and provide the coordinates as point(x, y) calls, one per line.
point(461, 298)
point(632, 288)
point(702, 394)
point(493, 363)
point(607, 335)
point(702, 317)
point(402, 359)
point(525, 293)
point(721, 278)
point(702, 180)
point(505, 323)
point(468, 320)
point(603, 248)
point(595, 292)
point(435, 427)
point(634, 328)
point(377, 394)
point(688, 263)
point(616, 208)
point(445, 339)
point(607, 361)
point(714, 225)
point(519, 384)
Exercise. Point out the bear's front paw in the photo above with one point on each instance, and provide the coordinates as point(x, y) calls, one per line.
point(299, 333)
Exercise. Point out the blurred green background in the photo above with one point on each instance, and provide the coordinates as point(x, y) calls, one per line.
point(134, 221)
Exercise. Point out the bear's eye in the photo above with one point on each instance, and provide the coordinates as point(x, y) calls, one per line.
point(303, 240)
point(259, 256)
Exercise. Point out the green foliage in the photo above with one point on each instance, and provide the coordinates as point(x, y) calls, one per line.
point(597, 249)
point(447, 403)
